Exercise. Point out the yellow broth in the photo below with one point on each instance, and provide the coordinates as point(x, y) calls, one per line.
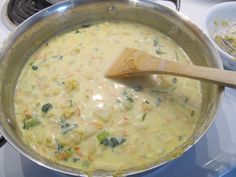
point(70, 113)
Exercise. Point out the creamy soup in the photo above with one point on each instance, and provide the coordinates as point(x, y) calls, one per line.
point(69, 112)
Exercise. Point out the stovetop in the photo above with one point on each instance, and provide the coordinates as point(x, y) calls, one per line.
point(20, 10)
point(214, 154)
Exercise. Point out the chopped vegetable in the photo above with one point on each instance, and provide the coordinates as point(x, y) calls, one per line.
point(34, 67)
point(77, 31)
point(192, 113)
point(155, 42)
point(66, 127)
point(157, 46)
point(46, 107)
point(102, 135)
point(68, 112)
point(159, 51)
point(69, 151)
point(71, 85)
point(85, 25)
point(59, 147)
point(186, 100)
point(64, 155)
point(144, 116)
point(181, 138)
point(75, 159)
point(128, 96)
point(127, 100)
point(71, 103)
point(130, 99)
point(32, 122)
point(113, 142)
point(105, 142)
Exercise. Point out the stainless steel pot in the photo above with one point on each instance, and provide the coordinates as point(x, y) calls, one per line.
point(49, 22)
point(176, 2)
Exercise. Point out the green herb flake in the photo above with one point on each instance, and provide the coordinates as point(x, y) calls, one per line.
point(69, 151)
point(67, 127)
point(192, 113)
point(77, 31)
point(155, 42)
point(159, 51)
point(181, 138)
point(186, 100)
point(46, 107)
point(85, 25)
point(130, 99)
point(105, 142)
point(128, 96)
point(59, 147)
point(34, 67)
point(30, 123)
point(71, 103)
point(75, 159)
point(112, 142)
point(102, 135)
point(144, 116)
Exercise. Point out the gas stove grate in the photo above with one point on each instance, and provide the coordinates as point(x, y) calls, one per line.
point(20, 10)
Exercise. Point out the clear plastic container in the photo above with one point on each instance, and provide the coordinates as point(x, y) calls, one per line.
point(217, 20)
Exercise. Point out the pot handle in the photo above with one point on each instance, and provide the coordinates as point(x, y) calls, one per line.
point(2, 141)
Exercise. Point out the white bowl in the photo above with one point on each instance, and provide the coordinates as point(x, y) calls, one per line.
point(220, 13)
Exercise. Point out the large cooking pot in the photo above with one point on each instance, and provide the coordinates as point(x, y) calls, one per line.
point(176, 2)
point(49, 22)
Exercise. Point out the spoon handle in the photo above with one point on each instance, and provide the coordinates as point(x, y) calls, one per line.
point(220, 77)
point(133, 62)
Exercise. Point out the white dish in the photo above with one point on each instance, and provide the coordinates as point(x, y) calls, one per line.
point(218, 18)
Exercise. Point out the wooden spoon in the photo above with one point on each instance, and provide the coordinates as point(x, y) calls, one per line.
point(133, 62)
